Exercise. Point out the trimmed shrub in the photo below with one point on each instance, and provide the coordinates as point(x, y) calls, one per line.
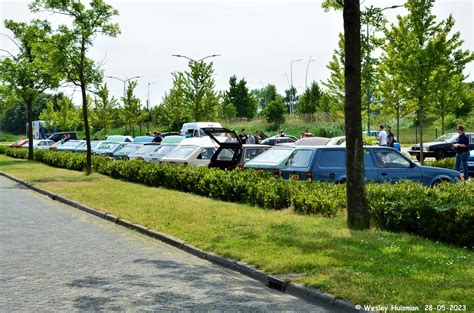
point(444, 163)
point(444, 213)
point(2, 149)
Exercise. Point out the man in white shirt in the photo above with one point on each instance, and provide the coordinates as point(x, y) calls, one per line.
point(382, 138)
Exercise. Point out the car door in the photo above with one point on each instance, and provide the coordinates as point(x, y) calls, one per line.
point(371, 171)
point(394, 167)
point(330, 165)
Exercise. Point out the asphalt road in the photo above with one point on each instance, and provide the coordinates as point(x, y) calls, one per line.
point(55, 258)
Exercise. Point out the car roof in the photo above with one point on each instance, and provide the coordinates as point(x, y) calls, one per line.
point(255, 145)
point(172, 139)
point(339, 147)
point(312, 141)
point(198, 141)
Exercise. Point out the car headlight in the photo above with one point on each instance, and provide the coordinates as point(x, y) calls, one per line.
point(426, 148)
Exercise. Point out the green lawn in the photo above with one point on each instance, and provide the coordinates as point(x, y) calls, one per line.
point(372, 267)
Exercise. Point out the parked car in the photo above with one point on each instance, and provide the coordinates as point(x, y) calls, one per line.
point(60, 135)
point(231, 152)
point(470, 164)
point(19, 143)
point(440, 148)
point(382, 164)
point(192, 151)
point(123, 154)
point(143, 151)
point(312, 141)
point(108, 148)
point(118, 138)
point(168, 144)
point(275, 140)
point(83, 147)
point(271, 160)
point(142, 139)
point(189, 130)
point(337, 141)
point(41, 144)
point(69, 145)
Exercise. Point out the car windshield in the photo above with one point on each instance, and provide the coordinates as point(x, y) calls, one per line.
point(128, 149)
point(147, 149)
point(70, 144)
point(336, 141)
point(182, 152)
point(252, 153)
point(273, 156)
point(107, 146)
point(446, 138)
point(299, 158)
point(143, 139)
point(164, 150)
point(226, 155)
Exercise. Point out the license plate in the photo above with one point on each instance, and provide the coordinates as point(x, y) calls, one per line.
point(295, 176)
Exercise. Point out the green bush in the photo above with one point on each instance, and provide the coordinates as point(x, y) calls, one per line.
point(444, 213)
point(444, 163)
point(2, 149)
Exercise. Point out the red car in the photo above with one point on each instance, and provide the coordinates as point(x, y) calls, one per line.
point(19, 143)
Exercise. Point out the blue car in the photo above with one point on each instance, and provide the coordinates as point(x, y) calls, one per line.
point(470, 164)
point(382, 164)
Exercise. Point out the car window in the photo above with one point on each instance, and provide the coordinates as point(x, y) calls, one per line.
point(164, 150)
point(300, 158)
point(273, 156)
point(226, 155)
point(447, 137)
point(182, 152)
point(391, 159)
point(368, 161)
point(332, 158)
point(252, 153)
point(206, 154)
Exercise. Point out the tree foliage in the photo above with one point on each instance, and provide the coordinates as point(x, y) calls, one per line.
point(132, 110)
point(239, 96)
point(310, 101)
point(73, 43)
point(275, 112)
point(104, 107)
point(29, 73)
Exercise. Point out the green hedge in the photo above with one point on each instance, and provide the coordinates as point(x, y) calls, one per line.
point(2, 149)
point(444, 163)
point(444, 213)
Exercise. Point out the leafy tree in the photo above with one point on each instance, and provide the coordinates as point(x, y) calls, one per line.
point(131, 107)
point(310, 100)
point(66, 116)
point(174, 110)
point(73, 43)
point(275, 112)
point(29, 72)
point(48, 115)
point(228, 111)
point(239, 96)
point(192, 97)
point(104, 107)
point(265, 95)
point(291, 97)
point(421, 49)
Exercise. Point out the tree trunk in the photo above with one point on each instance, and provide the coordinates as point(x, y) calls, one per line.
point(29, 109)
point(357, 208)
point(420, 124)
point(86, 130)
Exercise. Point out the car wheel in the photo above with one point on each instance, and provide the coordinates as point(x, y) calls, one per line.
point(440, 154)
point(439, 181)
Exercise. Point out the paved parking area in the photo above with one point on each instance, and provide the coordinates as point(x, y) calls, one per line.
point(55, 258)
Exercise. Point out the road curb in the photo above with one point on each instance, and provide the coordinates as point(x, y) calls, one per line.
point(297, 290)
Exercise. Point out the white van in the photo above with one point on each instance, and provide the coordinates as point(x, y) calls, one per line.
point(192, 151)
point(194, 129)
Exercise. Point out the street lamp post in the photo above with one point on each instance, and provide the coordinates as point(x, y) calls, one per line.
point(193, 60)
point(367, 96)
point(124, 81)
point(291, 87)
point(148, 107)
point(306, 75)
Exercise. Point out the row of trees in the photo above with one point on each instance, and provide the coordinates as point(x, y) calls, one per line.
point(47, 58)
point(420, 72)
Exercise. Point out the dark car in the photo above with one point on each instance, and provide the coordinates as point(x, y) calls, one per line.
point(231, 152)
point(381, 164)
point(440, 148)
point(58, 136)
point(275, 140)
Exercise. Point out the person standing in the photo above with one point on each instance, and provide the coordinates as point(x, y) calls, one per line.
point(243, 136)
point(382, 138)
point(390, 137)
point(251, 139)
point(461, 145)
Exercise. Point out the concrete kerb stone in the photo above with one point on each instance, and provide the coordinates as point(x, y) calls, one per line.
point(297, 290)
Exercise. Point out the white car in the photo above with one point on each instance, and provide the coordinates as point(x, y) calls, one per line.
point(168, 144)
point(140, 153)
point(41, 144)
point(192, 151)
point(337, 141)
point(194, 129)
